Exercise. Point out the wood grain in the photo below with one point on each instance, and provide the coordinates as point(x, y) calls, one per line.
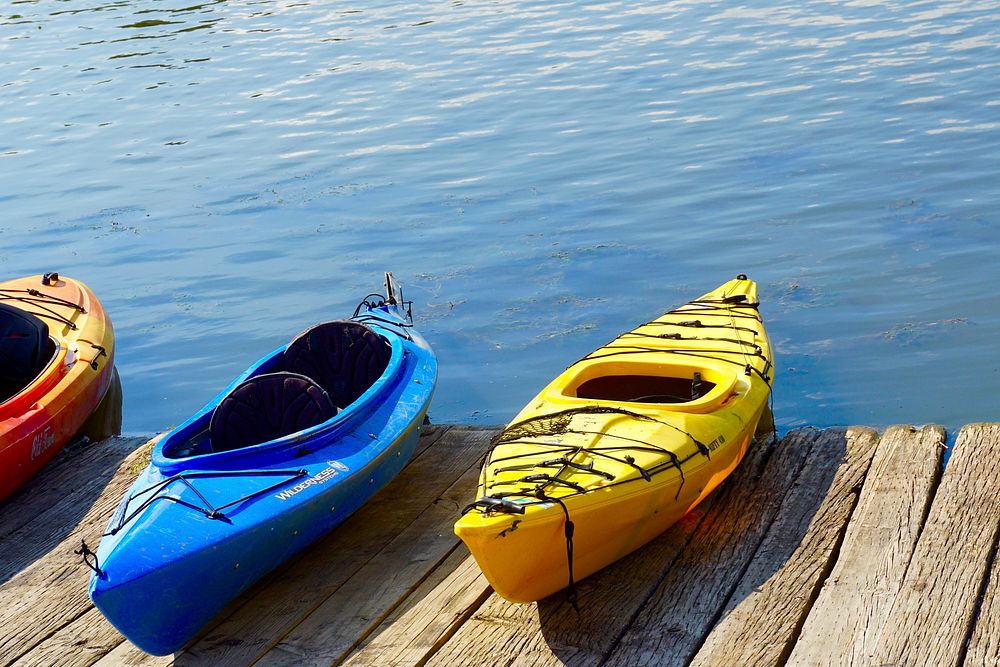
point(415, 630)
point(984, 647)
point(759, 623)
point(349, 615)
point(847, 618)
point(932, 616)
point(47, 585)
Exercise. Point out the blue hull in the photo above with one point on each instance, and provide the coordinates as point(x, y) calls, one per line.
point(196, 530)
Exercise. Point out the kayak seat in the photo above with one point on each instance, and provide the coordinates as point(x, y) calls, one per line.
point(266, 407)
point(25, 349)
point(345, 358)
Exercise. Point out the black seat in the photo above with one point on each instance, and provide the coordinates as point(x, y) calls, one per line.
point(266, 407)
point(25, 349)
point(344, 357)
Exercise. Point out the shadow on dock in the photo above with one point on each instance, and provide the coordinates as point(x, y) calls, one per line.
point(41, 514)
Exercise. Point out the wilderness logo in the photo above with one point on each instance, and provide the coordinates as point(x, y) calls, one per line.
point(332, 469)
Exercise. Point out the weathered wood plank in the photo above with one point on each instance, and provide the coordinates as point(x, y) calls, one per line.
point(551, 632)
point(80, 643)
point(675, 622)
point(346, 617)
point(933, 613)
point(51, 591)
point(765, 611)
point(128, 654)
point(55, 499)
point(428, 617)
point(272, 609)
point(847, 618)
point(984, 648)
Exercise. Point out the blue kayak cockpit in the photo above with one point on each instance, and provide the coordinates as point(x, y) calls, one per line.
point(313, 384)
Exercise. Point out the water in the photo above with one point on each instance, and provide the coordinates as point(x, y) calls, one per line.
point(538, 175)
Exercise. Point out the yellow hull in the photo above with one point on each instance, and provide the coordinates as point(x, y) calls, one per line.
point(621, 445)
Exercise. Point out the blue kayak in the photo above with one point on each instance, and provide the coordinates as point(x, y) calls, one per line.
point(279, 458)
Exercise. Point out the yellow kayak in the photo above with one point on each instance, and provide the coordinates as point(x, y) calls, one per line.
point(621, 445)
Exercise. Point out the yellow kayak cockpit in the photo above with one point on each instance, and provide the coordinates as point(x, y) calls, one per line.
point(682, 387)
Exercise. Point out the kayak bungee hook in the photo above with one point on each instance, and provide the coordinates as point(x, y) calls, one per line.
point(490, 504)
point(100, 351)
point(87, 554)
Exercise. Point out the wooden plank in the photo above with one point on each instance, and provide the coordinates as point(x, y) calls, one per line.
point(428, 617)
point(68, 486)
point(674, 623)
point(80, 643)
point(932, 616)
point(294, 591)
point(848, 616)
point(346, 617)
point(984, 648)
point(765, 611)
point(551, 632)
point(50, 592)
point(128, 654)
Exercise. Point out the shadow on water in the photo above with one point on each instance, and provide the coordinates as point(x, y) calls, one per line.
point(50, 506)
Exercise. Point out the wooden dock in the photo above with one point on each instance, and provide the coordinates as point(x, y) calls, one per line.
point(830, 547)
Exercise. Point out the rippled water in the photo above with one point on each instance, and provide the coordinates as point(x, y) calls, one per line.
point(538, 175)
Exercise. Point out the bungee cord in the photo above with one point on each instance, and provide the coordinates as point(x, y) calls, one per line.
point(42, 301)
point(376, 300)
point(158, 491)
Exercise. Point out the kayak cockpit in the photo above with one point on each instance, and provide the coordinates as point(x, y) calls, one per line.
point(318, 380)
point(675, 386)
point(26, 350)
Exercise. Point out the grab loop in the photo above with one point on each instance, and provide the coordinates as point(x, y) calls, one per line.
point(569, 530)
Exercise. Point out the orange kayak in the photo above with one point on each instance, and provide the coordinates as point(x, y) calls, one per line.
point(56, 363)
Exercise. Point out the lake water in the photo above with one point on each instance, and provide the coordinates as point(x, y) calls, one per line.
point(539, 175)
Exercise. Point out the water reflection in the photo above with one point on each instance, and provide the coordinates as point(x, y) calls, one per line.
point(106, 420)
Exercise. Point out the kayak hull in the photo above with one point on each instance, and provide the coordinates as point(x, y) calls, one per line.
point(37, 422)
point(621, 468)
